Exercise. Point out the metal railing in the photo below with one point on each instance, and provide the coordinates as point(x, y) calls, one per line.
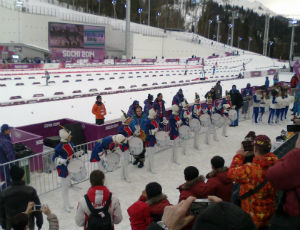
point(40, 170)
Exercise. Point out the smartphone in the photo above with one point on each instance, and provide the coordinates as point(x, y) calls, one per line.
point(37, 207)
point(247, 146)
point(198, 206)
point(293, 128)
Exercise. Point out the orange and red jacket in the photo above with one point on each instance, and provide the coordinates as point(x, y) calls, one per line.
point(99, 111)
point(261, 205)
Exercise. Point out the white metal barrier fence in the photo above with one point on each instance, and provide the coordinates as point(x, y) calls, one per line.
point(40, 171)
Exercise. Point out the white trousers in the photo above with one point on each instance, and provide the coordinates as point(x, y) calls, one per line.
point(124, 165)
point(65, 184)
point(150, 151)
point(175, 150)
point(196, 140)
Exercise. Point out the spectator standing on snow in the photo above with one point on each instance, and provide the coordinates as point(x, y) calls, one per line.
point(98, 195)
point(237, 102)
point(148, 104)
point(7, 154)
point(15, 198)
point(261, 204)
point(218, 90)
point(267, 82)
point(99, 110)
point(132, 108)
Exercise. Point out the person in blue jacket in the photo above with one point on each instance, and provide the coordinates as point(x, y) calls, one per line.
point(247, 96)
point(138, 122)
point(62, 157)
point(132, 107)
point(196, 108)
point(151, 128)
point(267, 82)
point(7, 154)
point(273, 106)
point(178, 99)
point(256, 104)
point(175, 123)
point(148, 104)
point(159, 107)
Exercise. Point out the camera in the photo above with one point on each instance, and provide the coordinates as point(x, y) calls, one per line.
point(296, 126)
point(36, 207)
point(198, 206)
point(247, 146)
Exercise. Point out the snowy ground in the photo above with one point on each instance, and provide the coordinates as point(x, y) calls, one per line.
point(169, 175)
point(80, 108)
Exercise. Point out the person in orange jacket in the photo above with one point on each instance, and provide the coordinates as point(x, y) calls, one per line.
point(260, 205)
point(99, 110)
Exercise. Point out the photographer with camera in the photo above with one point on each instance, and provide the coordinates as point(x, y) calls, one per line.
point(284, 176)
point(215, 215)
point(257, 195)
point(14, 200)
point(20, 221)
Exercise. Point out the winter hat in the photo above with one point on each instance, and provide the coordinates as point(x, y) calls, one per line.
point(263, 142)
point(99, 96)
point(223, 215)
point(250, 136)
point(197, 97)
point(153, 189)
point(5, 127)
point(119, 139)
point(180, 91)
point(64, 134)
point(150, 97)
point(124, 117)
point(175, 109)
point(190, 173)
point(248, 85)
point(217, 162)
point(152, 114)
point(16, 173)
point(136, 102)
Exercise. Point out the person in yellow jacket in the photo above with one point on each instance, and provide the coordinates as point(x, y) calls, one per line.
point(99, 110)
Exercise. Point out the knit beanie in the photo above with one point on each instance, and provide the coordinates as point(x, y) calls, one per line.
point(263, 142)
point(153, 189)
point(223, 216)
point(190, 173)
point(217, 162)
point(16, 173)
point(150, 97)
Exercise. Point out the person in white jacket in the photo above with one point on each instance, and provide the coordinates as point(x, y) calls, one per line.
point(279, 107)
point(98, 194)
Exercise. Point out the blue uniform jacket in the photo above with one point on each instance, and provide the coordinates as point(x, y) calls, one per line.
point(64, 151)
point(105, 144)
point(150, 139)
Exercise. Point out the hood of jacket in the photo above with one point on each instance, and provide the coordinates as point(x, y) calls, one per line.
point(189, 184)
point(98, 195)
point(221, 174)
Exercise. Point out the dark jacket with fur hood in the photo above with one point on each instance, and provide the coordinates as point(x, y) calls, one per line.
point(191, 188)
point(157, 205)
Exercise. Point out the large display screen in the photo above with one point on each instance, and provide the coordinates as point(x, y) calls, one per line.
point(76, 41)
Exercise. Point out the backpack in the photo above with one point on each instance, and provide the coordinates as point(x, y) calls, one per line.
point(99, 219)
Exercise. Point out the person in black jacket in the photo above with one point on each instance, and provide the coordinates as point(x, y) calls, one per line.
point(212, 94)
point(15, 198)
point(237, 102)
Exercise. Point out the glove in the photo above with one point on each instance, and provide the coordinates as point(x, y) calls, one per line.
point(137, 132)
point(60, 161)
point(226, 106)
point(178, 123)
point(153, 131)
point(78, 153)
point(233, 107)
point(165, 121)
point(101, 154)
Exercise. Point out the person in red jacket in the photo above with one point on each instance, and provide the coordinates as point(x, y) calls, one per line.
point(218, 183)
point(139, 215)
point(193, 184)
point(285, 176)
point(99, 110)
